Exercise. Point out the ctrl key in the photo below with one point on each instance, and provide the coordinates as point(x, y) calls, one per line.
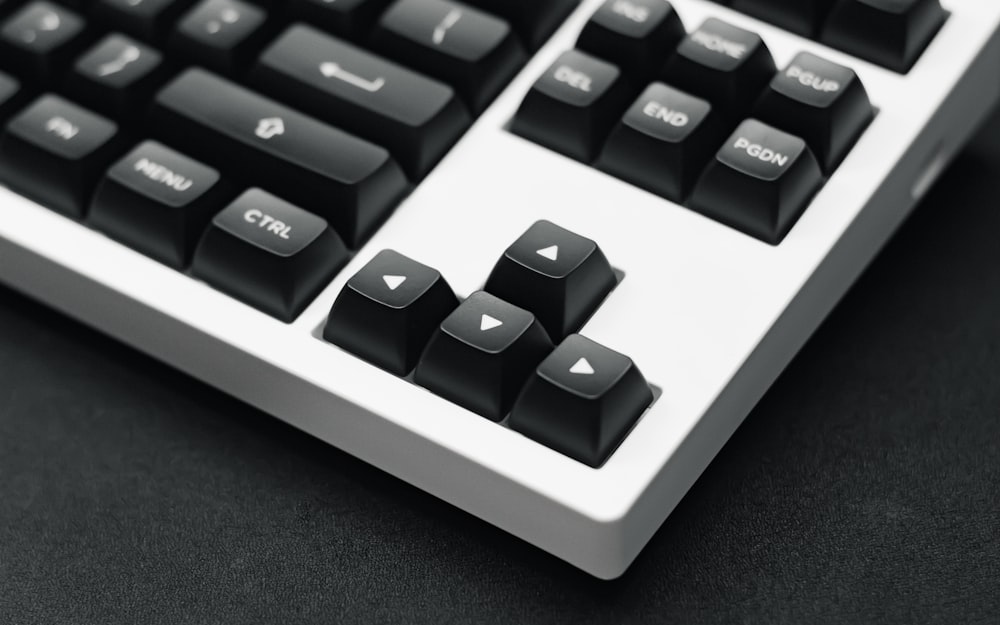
point(582, 401)
point(270, 254)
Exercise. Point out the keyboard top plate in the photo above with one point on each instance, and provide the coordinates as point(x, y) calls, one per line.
point(696, 300)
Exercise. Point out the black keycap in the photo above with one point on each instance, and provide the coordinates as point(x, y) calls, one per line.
point(117, 76)
point(892, 33)
point(726, 65)
point(54, 152)
point(663, 142)
point(799, 16)
point(219, 34)
point(351, 19)
point(482, 354)
point(416, 117)
point(10, 95)
point(635, 35)
point(269, 254)
point(158, 202)
point(759, 182)
point(820, 101)
point(147, 19)
point(582, 401)
point(472, 51)
point(40, 39)
point(348, 181)
point(533, 20)
point(559, 276)
point(388, 311)
point(574, 105)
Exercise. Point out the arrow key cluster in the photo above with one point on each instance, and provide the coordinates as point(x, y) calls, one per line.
point(493, 353)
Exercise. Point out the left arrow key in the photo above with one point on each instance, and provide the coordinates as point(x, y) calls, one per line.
point(389, 310)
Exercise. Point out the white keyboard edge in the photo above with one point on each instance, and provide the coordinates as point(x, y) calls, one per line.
point(683, 337)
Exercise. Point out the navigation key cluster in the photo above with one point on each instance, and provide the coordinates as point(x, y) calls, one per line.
point(705, 118)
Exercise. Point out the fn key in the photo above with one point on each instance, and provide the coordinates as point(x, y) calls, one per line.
point(55, 151)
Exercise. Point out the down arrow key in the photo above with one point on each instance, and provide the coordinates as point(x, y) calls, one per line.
point(389, 310)
point(482, 354)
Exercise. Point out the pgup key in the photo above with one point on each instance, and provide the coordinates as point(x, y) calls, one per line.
point(820, 101)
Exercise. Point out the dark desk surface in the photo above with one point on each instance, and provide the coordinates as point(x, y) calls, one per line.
point(864, 488)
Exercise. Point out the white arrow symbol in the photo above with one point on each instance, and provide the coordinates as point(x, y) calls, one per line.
point(582, 367)
point(270, 128)
point(552, 253)
point(442, 29)
point(393, 282)
point(332, 70)
point(488, 323)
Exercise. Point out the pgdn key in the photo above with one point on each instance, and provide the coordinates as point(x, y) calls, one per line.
point(759, 182)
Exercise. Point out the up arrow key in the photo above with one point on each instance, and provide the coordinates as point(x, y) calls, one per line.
point(582, 367)
point(393, 282)
point(488, 323)
point(552, 252)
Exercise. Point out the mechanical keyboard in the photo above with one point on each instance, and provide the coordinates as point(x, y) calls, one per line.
point(536, 257)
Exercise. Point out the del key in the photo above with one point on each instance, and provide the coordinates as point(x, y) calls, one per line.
point(573, 106)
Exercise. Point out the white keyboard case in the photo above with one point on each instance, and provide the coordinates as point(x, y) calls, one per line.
point(711, 316)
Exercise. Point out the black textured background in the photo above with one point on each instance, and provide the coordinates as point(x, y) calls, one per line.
point(865, 488)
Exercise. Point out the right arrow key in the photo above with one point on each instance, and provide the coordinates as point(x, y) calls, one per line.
point(582, 401)
point(558, 275)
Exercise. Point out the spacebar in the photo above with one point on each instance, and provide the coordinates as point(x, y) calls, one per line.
point(351, 183)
